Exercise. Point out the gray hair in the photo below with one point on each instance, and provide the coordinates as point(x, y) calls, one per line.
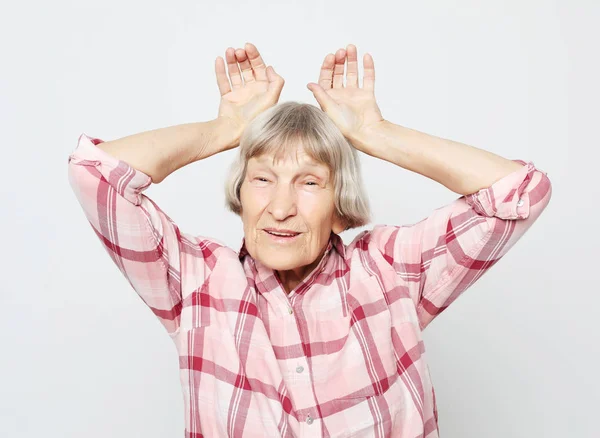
point(288, 123)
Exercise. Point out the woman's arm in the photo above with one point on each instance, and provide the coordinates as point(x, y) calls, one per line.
point(441, 256)
point(435, 260)
point(160, 152)
point(142, 241)
point(159, 261)
point(461, 168)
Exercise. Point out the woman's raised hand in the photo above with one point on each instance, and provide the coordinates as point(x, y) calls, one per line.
point(251, 92)
point(353, 109)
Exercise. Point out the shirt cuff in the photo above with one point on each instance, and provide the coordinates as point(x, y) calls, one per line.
point(126, 180)
point(507, 198)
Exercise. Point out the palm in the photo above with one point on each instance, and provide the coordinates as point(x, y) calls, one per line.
point(243, 104)
point(356, 109)
point(351, 108)
point(251, 91)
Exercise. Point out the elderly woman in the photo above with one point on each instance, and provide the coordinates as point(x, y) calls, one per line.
point(298, 334)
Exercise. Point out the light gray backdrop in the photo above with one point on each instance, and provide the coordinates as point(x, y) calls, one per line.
point(81, 356)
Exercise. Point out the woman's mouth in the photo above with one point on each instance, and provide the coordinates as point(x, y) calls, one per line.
point(282, 236)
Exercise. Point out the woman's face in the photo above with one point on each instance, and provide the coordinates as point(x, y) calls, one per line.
point(293, 197)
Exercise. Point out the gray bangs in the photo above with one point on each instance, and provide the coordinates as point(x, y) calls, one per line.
point(285, 133)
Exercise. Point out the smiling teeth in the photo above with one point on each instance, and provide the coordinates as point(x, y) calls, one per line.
point(281, 234)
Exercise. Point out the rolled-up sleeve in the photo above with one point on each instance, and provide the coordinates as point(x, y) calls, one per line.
point(511, 197)
point(143, 242)
point(440, 257)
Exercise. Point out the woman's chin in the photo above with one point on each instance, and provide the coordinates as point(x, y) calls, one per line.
point(278, 263)
point(280, 259)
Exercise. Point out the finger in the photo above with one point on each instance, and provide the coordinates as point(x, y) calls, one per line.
point(352, 71)
point(258, 65)
point(326, 74)
point(324, 100)
point(233, 69)
point(369, 72)
point(222, 79)
point(275, 82)
point(242, 59)
point(338, 69)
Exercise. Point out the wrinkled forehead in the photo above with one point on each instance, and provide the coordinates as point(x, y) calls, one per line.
point(295, 156)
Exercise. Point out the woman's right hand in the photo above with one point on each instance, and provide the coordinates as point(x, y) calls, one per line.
point(253, 91)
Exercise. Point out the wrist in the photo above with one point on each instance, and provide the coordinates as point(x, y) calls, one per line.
point(370, 137)
point(393, 143)
point(212, 137)
point(228, 133)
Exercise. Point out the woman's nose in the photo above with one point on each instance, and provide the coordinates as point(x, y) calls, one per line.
point(283, 204)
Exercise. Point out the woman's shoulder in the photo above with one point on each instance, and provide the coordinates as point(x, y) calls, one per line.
point(380, 238)
point(210, 249)
point(371, 236)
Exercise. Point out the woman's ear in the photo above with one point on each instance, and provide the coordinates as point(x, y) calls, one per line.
point(339, 224)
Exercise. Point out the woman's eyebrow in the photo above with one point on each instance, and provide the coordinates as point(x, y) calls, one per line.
point(307, 166)
point(316, 169)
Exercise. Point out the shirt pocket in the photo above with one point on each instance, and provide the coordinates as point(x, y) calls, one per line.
point(360, 359)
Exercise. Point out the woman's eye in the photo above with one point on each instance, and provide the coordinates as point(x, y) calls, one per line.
point(311, 183)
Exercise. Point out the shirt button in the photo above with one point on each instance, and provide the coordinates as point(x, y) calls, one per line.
point(520, 203)
point(291, 310)
point(309, 420)
point(299, 369)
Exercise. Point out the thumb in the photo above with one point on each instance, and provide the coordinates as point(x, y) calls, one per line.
point(324, 100)
point(275, 81)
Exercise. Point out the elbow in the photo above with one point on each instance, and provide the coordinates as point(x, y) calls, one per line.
point(541, 194)
point(538, 197)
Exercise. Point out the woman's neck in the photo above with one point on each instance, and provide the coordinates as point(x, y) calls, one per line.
point(291, 278)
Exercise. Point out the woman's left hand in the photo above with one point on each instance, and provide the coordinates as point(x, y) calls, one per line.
point(353, 109)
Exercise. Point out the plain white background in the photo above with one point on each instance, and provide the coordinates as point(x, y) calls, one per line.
point(80, 355)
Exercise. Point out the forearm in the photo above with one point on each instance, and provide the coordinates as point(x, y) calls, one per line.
point(160, 152)
point(461, 168)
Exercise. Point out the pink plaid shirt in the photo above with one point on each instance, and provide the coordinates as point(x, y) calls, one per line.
point(342, 355)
